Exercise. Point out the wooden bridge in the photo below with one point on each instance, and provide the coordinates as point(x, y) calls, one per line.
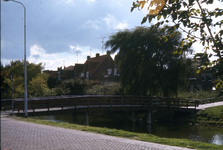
point(91, 103)
point(106, 102)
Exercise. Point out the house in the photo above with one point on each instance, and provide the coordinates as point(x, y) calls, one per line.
point(77, 70)
point(95, 68)
point(61, 74)
point(203, 80)
point(99, 68)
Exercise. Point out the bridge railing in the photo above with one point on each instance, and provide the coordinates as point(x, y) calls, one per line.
point(118, 101)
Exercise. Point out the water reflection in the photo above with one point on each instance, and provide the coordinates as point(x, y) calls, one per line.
point(169, 130)
point(217, 139)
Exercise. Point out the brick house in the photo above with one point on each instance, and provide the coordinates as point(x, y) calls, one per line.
point(203, 80)
point(99, 68)
point(95, 68)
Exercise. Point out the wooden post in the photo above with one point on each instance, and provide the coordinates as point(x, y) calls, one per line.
point(62, 106)
point(122, 103)
point(48, 106)
point(187, 104)
point(86, 118)
point(149, 129)
point(149, 121)
point(75, 105)
point(99, 104)
point(88, 104)
point(133, 117)
point(33, 107)
point(141, 102)
point(111, 103)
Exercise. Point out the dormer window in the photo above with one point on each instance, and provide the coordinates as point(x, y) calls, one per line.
point(82, 74)
point(109, 71)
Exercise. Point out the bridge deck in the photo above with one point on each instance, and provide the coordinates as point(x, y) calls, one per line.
point(104, 102)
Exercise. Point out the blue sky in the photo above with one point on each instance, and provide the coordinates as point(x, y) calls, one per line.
point(58, 30)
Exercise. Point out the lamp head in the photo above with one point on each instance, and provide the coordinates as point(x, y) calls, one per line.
point(6, 0)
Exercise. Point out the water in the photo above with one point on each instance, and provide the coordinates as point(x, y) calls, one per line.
point(169, 130)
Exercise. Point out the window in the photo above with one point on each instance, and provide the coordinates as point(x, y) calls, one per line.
point(109, 71)
point(203, 78)
point(82, 74)
point(59, 75)
point(87, 74)
point(115, 71)
point(199, 87)
point(210, 78)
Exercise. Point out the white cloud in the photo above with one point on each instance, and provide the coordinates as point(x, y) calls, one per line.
point(95, 24)
point(110, 21)
point(122, 26)
point(114, 23)
point(5, 62)
point(91, 0)
point(77, 54)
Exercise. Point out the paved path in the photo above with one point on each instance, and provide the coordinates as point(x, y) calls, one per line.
point(19, 135)
point(204, 106)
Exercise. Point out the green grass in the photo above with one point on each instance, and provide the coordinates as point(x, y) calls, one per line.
point(211, 115)
point(131, 135)
point(199, 95)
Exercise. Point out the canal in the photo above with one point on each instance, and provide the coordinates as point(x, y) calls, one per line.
point(208, 134)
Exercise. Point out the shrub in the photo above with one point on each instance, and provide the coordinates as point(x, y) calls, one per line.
point(109, 88)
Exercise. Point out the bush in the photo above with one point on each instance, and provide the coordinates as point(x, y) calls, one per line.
point(109, 88)
point(199, 95)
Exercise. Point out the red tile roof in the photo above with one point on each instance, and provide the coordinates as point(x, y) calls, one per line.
point(94, 63)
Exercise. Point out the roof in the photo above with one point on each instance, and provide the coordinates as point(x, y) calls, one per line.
point(94, 63)
point(67, 74)
point(69, 68)
point(51, 73)
point(79, 67)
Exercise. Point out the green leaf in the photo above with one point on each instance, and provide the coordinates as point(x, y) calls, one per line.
point(198, 71)
point(144, 20)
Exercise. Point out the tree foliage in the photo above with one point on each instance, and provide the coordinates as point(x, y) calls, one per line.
point(150, 60)
point(36, 81)
point(201, 20)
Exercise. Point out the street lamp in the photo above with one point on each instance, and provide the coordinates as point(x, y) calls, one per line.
point(25, 67)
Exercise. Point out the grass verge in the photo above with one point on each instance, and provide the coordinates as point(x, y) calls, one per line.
point(131, 135)
point(210, 116)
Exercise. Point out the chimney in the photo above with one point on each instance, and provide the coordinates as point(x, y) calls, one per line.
point(108, 52)
point(88, 57)
point(97, 55)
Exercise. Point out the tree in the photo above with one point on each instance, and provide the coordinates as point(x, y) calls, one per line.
point(199, 19)
point(38, 85)
point(150, 60)
point(17, 69)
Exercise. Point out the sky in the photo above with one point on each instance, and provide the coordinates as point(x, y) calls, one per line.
point(63, 32)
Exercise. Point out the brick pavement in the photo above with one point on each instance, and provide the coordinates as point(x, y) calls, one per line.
point(19, 135)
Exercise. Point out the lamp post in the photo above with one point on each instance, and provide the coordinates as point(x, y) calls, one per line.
point(25, 67)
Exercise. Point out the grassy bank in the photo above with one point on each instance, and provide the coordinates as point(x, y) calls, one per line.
point(210, 116)
point(131, 135)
